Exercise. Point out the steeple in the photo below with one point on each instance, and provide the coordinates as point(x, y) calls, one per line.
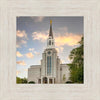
point(50, 40)
point(50, 32)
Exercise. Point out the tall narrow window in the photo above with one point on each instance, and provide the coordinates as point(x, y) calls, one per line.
point(49, 42)
point(48, 65)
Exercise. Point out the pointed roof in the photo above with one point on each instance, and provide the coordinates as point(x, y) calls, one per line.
point(50, 32)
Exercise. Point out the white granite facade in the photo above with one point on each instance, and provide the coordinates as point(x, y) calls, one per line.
point(60, 74)
point(50, 71)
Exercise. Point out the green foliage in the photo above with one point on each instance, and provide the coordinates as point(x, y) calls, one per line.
point(31, 82)
point(21, 80)
point(76, 67)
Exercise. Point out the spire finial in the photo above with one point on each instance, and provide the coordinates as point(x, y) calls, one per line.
point(50, 32)
point(50, 22)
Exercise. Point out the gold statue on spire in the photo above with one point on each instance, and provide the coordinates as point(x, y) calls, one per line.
point(50, 22)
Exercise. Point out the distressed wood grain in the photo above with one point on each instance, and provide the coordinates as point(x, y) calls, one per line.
point(9, 9)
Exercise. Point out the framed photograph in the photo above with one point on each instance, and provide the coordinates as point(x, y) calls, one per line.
point(49, 50)
point(39, 50)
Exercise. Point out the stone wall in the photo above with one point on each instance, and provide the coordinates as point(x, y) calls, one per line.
point(65, 72)
point(34, 73)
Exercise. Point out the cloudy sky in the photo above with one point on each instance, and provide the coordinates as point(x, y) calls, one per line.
point(32, 34)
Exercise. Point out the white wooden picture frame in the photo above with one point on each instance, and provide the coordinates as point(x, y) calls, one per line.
point(9, 9)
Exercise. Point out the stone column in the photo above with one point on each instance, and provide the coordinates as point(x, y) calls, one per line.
point(41, 80)
point(48, 80)
point(52, 81)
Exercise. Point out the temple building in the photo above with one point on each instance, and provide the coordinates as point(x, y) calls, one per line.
point(51, 70)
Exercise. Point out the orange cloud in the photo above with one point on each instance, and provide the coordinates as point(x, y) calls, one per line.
point(29, 55)
point(68, 59)
point(25, 69)
point(21, 63)
point(39, 36)
point(21, 34)
point(17, 72)
point(17, 46)
point(68, 39)
point(59, 49)
point(63, 61)
point(18, 54)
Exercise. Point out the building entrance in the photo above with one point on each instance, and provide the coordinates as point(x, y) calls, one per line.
point(50, 81)
point(45, 80)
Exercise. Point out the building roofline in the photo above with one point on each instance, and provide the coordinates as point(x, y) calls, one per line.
point(63, 64)
point(35, 66)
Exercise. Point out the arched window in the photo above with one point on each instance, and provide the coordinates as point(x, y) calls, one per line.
point(49, 42)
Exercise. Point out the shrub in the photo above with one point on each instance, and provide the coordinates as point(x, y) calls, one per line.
point(31, 82)
point(68, 82)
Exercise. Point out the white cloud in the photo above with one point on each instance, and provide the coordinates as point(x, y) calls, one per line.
point(31, 49)
point(59, 49)
point(37, 53)
point(39, 36)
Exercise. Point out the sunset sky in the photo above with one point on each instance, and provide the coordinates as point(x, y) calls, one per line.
point(32, 34)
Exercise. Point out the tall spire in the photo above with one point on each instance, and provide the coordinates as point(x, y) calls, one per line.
point(50, 32)
point(50, 40)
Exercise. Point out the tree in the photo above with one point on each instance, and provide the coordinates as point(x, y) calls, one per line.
point(21, 80)
point(24, 80)
point(18, 80)
point(76, 67)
